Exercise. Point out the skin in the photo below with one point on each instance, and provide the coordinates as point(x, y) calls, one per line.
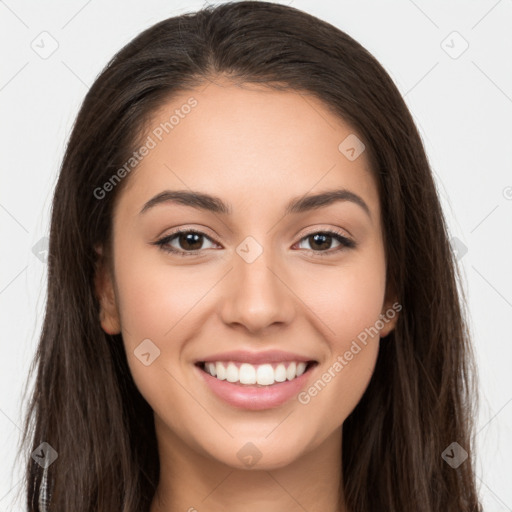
point(256, 149)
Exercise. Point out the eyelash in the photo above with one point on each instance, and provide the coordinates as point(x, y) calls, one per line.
point(345, 243)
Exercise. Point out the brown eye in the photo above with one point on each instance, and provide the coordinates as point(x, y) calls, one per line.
point(184, 242)
point(190, 241)
point(321, 242)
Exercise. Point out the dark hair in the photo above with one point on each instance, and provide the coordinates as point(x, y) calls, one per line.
point(421, 396)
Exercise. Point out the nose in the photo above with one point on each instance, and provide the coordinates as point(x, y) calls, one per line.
point(256, 294)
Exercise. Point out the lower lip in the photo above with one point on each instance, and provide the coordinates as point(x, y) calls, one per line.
point(252, 397)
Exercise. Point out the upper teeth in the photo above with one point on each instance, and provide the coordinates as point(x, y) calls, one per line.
point(263, 374)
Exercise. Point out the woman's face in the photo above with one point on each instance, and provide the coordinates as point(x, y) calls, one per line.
point(260, 276)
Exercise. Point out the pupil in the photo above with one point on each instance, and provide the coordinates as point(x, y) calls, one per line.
point(190, 239)
point(320, 239)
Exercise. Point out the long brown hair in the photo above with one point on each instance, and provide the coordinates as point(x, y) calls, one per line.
point(421, 398)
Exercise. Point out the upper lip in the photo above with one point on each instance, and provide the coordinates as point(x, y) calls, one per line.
point(267, 356)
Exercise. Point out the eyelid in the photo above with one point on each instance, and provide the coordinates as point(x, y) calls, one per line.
point(312, 230)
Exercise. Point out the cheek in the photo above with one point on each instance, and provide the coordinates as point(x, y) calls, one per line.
point(153, 296)
point(153, 302)
point(346, 298)
point(154, 307)
point(347, 304)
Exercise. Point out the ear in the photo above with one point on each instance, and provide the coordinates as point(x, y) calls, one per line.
point(105, 291)
point(389, 314)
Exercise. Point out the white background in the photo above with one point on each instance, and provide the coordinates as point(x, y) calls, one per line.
point(462, 106)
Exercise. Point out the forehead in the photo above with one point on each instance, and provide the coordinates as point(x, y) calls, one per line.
point(248, 143)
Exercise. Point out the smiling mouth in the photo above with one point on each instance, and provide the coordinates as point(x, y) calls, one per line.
point(256, 375)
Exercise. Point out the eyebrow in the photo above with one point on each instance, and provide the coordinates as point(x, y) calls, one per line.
point(207, 202)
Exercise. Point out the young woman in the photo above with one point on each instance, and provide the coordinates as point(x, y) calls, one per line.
point(252, 300)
